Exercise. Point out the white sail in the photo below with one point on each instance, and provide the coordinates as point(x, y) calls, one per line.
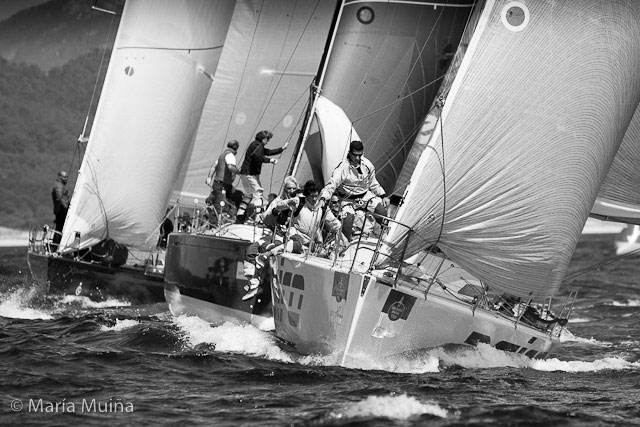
point(156, 84)
point(334, 134)
point(619, 196)
point(270, 58)
point(535, 116)
point(384, 69)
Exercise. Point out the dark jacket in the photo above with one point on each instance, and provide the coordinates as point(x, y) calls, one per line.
point(255, 156)
point(60, 197)
point(223, 172)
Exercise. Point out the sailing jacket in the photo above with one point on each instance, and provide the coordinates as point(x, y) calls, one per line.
point(353, 181)
point(255, 156)
point(224, 173)
point(60, 197)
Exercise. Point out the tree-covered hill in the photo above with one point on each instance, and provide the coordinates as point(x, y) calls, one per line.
point(41, 116)
point(52, 33)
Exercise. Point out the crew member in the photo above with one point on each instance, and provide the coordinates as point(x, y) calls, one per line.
point(222, 186)
point(250, 171)
point(354, 180)
point(60, 197)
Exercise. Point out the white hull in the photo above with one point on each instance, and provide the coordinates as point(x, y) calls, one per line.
point(628, 240)
point(321, 308)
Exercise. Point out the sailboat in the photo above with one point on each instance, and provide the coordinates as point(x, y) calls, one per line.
point(270, 57)
point(159, 75)
point(618, 197)
point(494, 192)
point(204, 273)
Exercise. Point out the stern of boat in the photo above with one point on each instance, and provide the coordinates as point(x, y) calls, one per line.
point(205, 277)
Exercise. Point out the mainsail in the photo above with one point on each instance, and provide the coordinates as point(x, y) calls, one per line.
point(384, 68)
point(268, 63)
point(154, 91)
point(532, 123)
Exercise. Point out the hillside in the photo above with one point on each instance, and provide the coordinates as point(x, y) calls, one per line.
point(41, 116)
point(50, 57)
point(53, 33)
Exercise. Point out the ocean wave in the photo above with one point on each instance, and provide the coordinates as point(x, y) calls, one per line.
point(86, 302)
point(120, 325)
point(18, 305)
point(607, 363)
point(230, 337)
point(628, 303)
point(400, 407)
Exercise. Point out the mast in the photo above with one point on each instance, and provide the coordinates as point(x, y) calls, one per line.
point(316, 88)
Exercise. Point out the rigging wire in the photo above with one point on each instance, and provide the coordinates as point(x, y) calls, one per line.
point(406, 141)
point(411, 135)
point(90, 107)
point(266, 102)
point(601, 264)
point(77, 98)
point(244, 71)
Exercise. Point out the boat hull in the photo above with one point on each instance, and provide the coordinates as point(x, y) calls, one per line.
point(205, 277)
point(628, 241)
point(320, 307)
point(55, 274)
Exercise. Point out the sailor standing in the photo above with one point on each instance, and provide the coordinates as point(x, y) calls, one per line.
point(222, 186)
point(250, 171)
point(60, 197)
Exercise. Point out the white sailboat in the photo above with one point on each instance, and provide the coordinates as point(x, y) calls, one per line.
point(149, 110)
point(269, 60)
point(507, 173)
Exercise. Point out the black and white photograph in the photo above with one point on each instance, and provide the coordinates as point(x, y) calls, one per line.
point(320, 212)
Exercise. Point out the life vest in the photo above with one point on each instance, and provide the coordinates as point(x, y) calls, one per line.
point(222, 172)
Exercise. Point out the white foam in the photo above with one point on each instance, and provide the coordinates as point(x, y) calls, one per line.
point(629, 303)
point(608, 363)
point(230, 337)
point(120, 325)
point(87, 302)
point(580, 320)
point(567, 336)
point(395, 407)
point(16, 305)
point(247, 339)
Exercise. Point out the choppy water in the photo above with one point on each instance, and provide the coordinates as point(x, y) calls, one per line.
point(71, 361)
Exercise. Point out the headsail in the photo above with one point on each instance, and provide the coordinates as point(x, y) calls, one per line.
point(270, 58)
point(619, 196)
point(327, 147)
point(533, 121)
point(152, 98)
point(384, 69)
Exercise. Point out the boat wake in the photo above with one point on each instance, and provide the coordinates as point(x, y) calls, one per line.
point(86, 302)
point(230, 338)
point(246, 339)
